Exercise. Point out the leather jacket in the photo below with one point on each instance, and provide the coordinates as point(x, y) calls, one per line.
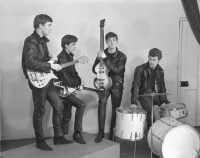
point(141, 82)
point(69, 76)
point(116, 65)
point(35, 54)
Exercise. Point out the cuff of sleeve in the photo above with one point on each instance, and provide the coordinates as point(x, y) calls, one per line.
point(136, 103)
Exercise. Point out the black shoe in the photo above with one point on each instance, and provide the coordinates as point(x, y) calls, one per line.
point(99, 137)
point(43, 146)
point(62, 140)
point(154, 156)
point(111, 137)
point(78, 138)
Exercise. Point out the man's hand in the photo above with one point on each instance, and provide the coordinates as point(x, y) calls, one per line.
point(56, 67)
point(101, 54)
point(133, 106)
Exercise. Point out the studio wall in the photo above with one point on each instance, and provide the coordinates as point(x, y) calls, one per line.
point(140, 25)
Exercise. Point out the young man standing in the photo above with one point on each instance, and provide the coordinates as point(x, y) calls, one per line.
point(70, 78)
point(115, 61)
point(35, 58)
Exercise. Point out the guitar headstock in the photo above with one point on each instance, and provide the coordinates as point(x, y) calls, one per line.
point(102, 22)
point(83, 59)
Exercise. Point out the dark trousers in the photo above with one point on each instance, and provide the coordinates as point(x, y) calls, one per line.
point(116, 97)
point(68, 102)
point(40, 95)
point(146, 103)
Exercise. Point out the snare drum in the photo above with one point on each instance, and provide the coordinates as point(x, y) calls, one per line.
point(176, 110)
point(173, 139)
point(130, 123)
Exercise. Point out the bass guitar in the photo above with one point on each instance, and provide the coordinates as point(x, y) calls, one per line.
point(65, 91)
point(41, 79)
point(102, 81)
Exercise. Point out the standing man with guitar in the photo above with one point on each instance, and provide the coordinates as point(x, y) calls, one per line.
point(70, 78)
point(115, 62)
point(35, 63)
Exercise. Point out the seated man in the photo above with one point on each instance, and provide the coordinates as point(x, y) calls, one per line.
point(70, 78)
point(149, 78)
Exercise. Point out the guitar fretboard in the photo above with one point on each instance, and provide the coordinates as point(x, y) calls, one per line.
point(92, 89)
point(69, 63)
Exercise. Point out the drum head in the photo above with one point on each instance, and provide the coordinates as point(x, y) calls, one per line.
point(181, 142)
point(124, 110)
point(173, 106)
point(127, 109)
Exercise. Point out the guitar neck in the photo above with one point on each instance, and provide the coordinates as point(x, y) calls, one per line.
point(69, 64)
point(101, 43)
point(101, 39)
point(91, 89)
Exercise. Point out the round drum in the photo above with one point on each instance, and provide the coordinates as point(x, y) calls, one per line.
point(130, 123)
point(170, 138)
point(176, 110)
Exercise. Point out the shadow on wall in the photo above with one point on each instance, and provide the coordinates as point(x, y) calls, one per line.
point(17, 108)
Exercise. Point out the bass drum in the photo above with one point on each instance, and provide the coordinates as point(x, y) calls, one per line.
point(169, 138)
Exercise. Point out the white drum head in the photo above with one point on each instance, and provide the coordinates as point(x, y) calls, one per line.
point(181, 142)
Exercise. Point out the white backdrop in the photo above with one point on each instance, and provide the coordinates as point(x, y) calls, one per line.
point(140, 25)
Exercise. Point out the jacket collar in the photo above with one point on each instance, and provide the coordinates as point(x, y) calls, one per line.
point(67, 53)
point(114, 54)
point(156, 68)
point(40, 39)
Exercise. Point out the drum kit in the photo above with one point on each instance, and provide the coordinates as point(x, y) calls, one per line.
point(167, 137)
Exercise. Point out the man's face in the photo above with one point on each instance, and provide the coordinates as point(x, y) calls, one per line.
point(153, 61)
point(71, 47)
point(112, 42)
point(46, 28)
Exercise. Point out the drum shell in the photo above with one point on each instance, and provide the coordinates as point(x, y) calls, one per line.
point(130, 124)
point(176, 110)
point(160, 133)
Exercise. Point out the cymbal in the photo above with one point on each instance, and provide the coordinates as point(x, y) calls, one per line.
point(154, 94)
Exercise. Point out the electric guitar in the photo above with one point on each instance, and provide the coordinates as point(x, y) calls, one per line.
point(102, 81)
point(65, 91)
point(41, 79)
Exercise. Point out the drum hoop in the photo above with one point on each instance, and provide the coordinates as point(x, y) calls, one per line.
point(128, 139)
point(132, 112)
point(172, 109)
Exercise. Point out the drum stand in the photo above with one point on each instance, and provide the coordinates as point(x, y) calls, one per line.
point(152, 114)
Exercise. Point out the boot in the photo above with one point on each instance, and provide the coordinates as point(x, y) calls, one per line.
point(99, 137)
point(65, 130)
point(111, 135)
point(61, 140)
point(43, 145)
point(77, 136)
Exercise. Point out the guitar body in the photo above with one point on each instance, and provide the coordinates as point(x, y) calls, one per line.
point(102, 81)
point(65, 91)
point(40, 79)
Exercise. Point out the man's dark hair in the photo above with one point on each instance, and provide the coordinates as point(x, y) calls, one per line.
point(110, 35)
point(67, 39)
point(41, 19)
point(155, 52)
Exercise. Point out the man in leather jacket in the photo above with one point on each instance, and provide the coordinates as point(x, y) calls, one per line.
point(70, 78)
point(115, 61)
point(149, 78)
point(35, 57)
